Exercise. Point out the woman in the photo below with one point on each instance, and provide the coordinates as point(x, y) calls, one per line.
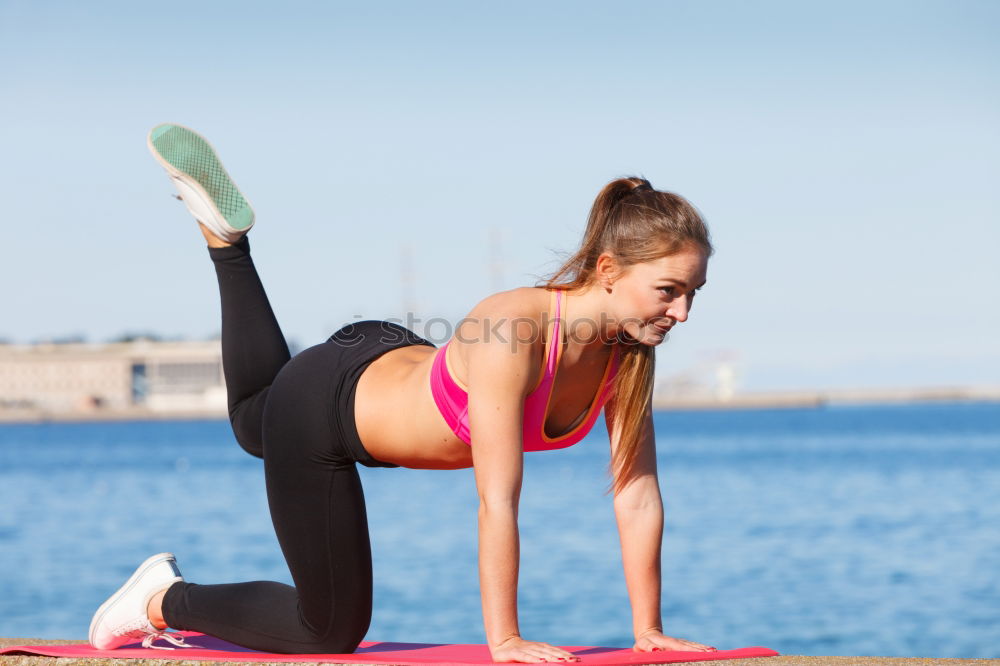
point(378, 394)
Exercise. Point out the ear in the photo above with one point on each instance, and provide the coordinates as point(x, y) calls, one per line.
point(606, 271)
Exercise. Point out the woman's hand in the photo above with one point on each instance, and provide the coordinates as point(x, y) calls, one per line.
point(654, 641)
point(516, 648)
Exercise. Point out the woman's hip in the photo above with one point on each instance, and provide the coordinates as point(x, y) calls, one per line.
point(310, 406)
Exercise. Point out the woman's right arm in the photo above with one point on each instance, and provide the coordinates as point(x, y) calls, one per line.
point(499, 373)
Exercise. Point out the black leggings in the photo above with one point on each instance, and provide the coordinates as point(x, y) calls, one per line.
point(298, 415)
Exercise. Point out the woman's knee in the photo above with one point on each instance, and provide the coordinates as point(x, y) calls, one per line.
point(337, 645)
point(247, 421)
point(255, 449)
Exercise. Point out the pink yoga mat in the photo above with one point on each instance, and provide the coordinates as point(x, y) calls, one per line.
point(208, 648)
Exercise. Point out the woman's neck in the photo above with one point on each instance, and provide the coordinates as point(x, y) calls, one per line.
point(585, 317)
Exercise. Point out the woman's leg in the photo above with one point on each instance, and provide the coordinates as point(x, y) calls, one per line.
point(253, 348)
point(289, 413)
point(318, 510)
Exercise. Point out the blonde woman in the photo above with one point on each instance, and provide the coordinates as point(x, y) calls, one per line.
point(529, 369)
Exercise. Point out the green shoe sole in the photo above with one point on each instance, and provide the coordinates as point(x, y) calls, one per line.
point(189, 153)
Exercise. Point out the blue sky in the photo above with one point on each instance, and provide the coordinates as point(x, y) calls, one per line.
point(844, 154)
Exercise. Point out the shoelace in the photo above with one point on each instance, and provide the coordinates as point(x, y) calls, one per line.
point(147, 642)
point(141, 627)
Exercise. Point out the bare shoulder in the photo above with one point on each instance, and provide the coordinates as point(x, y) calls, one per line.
point(519, 311)
point(505, 326)
point(521, 301)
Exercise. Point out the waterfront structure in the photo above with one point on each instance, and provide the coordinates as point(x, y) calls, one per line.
point(138, 379)
point(149, 379)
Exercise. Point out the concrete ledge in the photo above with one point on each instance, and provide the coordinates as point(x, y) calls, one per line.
point(18, 660)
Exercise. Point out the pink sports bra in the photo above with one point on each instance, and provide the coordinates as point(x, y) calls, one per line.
point(452, 399)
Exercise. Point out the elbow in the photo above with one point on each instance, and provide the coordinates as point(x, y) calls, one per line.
point(642, 494)
point(641, 514)
point(498, 508)
point(647, 504)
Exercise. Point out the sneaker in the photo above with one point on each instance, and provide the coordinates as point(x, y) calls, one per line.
point(205, 187)
point(122, 618)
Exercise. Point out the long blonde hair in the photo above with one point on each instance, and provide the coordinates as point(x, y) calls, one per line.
point(634, 223)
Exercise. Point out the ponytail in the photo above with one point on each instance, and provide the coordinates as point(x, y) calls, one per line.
point(635, 223)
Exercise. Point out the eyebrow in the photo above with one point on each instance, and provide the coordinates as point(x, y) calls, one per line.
point(683, 283)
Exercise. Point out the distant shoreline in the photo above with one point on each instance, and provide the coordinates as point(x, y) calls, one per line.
point(740, 401)
point(830, 397)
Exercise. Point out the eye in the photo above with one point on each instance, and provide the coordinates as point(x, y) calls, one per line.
point(669, 291)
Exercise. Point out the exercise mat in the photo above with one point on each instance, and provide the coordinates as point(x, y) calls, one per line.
point(208, 648)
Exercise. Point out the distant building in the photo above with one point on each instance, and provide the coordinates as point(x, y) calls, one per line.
point(116, 380)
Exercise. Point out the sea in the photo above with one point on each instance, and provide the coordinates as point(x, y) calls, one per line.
point(841, 530)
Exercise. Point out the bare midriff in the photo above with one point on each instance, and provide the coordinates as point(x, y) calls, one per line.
point(396, 417)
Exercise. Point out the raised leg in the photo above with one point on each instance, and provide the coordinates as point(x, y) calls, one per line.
point(253, 347)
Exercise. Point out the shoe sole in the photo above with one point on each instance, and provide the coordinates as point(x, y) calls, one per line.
point(184, 152)
point(129, 584)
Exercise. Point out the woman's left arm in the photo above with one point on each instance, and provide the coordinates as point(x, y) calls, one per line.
point(639, 513)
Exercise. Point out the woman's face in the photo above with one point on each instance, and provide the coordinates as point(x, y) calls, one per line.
point(648, 299)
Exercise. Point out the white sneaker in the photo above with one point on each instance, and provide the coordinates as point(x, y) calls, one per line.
point(122, 618)
point(205, 187)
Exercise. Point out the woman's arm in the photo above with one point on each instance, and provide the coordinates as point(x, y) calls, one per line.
point(639, 513)
point(499, 374)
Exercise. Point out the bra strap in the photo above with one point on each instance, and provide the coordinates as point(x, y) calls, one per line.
point(555, 340)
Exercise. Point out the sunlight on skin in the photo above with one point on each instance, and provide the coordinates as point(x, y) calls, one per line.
point(652, 297)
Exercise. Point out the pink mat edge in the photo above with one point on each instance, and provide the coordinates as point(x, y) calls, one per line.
point(467, 654)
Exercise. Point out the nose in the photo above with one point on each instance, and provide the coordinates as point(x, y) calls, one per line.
point(679, 309)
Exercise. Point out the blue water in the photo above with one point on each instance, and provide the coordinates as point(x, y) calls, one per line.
point(839, 531)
